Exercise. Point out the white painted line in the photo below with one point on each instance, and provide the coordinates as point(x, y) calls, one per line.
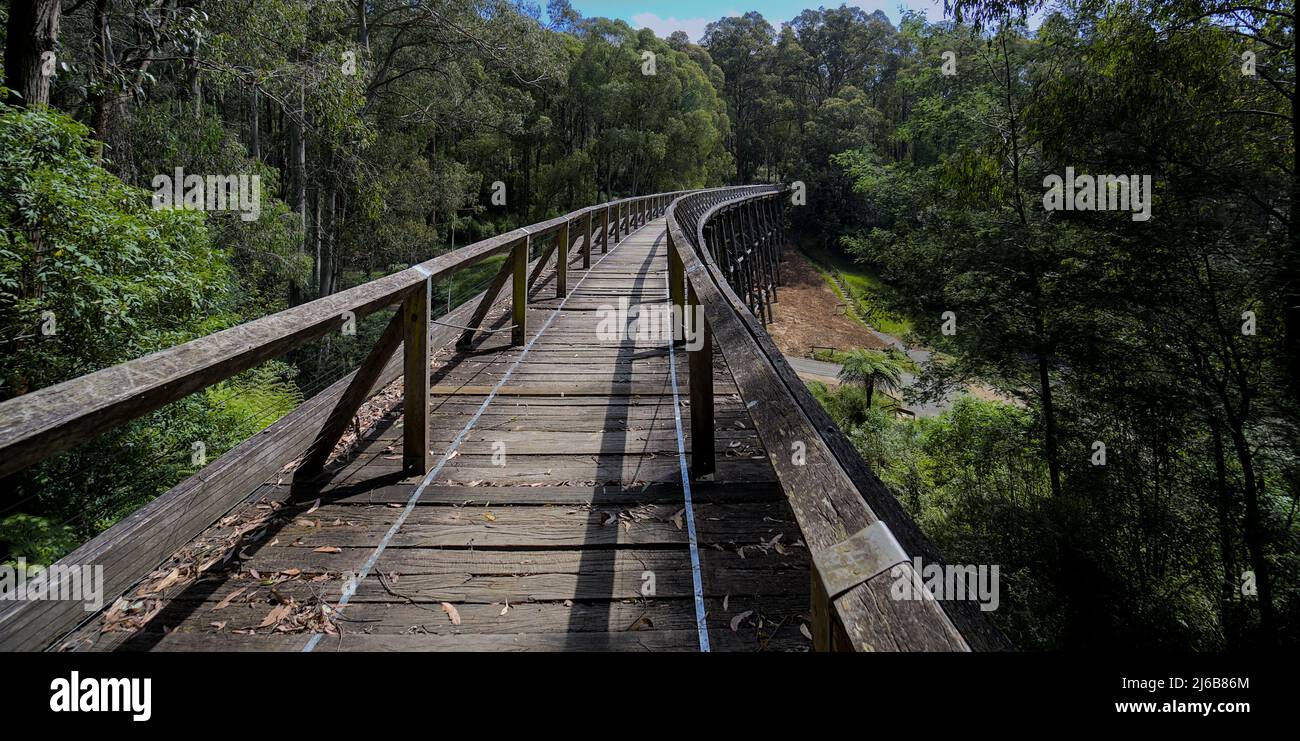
point(701, 625)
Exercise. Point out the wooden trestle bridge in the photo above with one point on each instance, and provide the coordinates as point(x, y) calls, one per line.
point(538, 483)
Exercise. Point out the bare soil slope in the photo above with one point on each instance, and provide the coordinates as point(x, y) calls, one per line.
point(808, 314)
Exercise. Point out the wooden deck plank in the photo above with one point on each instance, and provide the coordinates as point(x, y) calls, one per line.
point(658, 493)
point(533, 526)
point(646, 641)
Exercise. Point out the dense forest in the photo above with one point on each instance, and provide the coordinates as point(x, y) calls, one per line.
point(386, 132)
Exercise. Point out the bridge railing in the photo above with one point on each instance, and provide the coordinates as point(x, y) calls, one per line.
point(52, 420)
point(724, 249)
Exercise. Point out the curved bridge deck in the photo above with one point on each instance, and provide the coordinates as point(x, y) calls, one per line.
point(554, 517)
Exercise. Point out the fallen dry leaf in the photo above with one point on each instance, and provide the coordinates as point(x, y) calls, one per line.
point(641, 623)
point(327, 549)
point(277, 613)
point(737, 620)
point(223, 604)
point(450, 609)
point(171, 578)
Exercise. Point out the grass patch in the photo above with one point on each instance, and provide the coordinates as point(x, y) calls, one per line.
point(866, 293)
point(827, 355)
point(830, 356)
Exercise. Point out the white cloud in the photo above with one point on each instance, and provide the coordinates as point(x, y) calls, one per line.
point(664, 27)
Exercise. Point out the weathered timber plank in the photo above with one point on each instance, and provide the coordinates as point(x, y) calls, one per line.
point(657, 493)
point(538, 527)
point(647, 641)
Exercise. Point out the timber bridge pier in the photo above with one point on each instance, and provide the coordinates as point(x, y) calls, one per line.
point(523, 483)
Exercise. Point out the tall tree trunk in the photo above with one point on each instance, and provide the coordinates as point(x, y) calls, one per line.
point(313, 232)
point(363, 28)
point(32, 31)
point(254, 124)
point(1291, 261)
point(1227, 595)
point(194, 82)
point(328, 231)
point(298, 178)
point(1254, 530)
point(1049, 424)
point(99, 97)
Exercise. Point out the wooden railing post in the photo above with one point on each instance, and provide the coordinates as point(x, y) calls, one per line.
point(778, 211)
point(618, 223)
point(755, 268)
point(763, 265)
point(604, 231)
point(827, 631)
point(519, 295)
point(721, 255)
point(586, 243)
point(415, 367)
point(676, 288)
point(562, 261)
point(739, 262)
point(774, 239)
point(700, 366)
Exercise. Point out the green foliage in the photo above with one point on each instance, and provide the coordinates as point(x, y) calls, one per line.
point(873, 369)
point(86, 258)
point(264, 252)
point(119, 278)
point(1104, 329)
point(37, 539)
point(856, 284)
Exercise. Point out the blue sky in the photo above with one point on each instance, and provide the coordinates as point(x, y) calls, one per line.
point(691, 16)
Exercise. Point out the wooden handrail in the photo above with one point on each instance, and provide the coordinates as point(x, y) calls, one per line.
point(51, 420)
point(843, 511)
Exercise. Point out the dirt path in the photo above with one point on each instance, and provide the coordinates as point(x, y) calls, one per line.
point(808, 314)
